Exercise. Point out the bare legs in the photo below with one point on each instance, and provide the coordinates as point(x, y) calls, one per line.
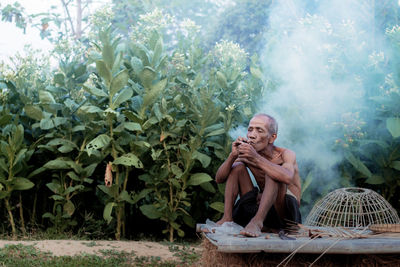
point(273, 194)
point(238, 180)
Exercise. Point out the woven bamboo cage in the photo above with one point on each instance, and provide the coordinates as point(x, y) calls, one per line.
point(352, 207)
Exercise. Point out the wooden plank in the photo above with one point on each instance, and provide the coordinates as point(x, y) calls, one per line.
point(230, 243)
point(317, 246)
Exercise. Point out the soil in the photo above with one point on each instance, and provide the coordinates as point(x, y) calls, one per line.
point(76, 247)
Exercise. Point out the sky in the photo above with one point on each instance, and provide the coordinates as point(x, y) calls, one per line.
point(14, 39)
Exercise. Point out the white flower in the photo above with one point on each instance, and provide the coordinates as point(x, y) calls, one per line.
point(230, 54)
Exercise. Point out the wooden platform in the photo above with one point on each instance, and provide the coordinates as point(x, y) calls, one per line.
point(370, 244)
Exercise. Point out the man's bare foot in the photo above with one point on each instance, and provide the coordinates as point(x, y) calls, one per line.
point(224, 219)
point(252, 229)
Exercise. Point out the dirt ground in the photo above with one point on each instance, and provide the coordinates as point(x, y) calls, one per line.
point(76, 247)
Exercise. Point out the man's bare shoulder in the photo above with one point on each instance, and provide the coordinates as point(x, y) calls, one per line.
point(287, 153)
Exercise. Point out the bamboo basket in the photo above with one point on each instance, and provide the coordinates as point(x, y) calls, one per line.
point(352, 207)
point(385, 228)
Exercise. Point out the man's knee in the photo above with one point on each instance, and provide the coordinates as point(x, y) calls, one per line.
point(274, 187)
point(240, 173)
point(271, 183)
point(239, 169)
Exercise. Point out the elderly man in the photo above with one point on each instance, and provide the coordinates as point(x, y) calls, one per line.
point(276, 172)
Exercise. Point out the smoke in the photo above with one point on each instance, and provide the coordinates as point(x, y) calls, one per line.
point(316, 54)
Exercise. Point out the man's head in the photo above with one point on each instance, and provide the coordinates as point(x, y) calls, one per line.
point(262, 131)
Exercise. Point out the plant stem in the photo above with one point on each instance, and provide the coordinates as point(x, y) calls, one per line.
point(21, 214)
point(11, 218)
point(33, 217)
point(118, 232)
point(171, 233)
point(171, 193)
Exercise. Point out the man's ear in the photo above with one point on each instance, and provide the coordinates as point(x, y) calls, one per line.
point(272, 138)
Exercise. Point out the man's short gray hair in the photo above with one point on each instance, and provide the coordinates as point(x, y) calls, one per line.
point(273, 125)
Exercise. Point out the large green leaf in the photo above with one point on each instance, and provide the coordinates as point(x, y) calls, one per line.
point(69, 208)
point(157, 51)
point(111, 191)
point(95, 91)
point(90, 169)
point(133, 126)
point(90, 109)
point(118, 82)
point(97, 143)
point(61, 141)
point(143, 53)
point(59, 78)
point(357, 164)
point(129, 159)
point(306, 182)
point(203, 158)
point(103, 70)
point(21, 183)
point(73, 176)
point(395, 165)
point(36, 172)
point(46, 124)
point(208, 187)
point(18, 136)
point(137, 65)
point(147, 76)
point(107, 211)
point(20, 156)
point(153, 120)
point(48, 215)
point(57, 164)
point(199, 178)
point(65, 149)
point(5, 119)
point(375, 179)
point(256, 73)
point(150, 211)
point(123, 96)
point(393, 125)
point(124, 196)
point(216, 132)
point(142, 194)
point(54, 187)
point(59, 121)
point(222, 80)
point(34, 112)
point(3, 165)
point(132, 116)
point(57, 198)
point(46, 97)
point(218, 206)
point(108, 55)
point(176, 170)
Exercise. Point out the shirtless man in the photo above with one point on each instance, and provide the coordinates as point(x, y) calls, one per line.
point(276, 172)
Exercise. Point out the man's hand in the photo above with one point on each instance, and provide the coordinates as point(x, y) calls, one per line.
point(236, 144)
point(247, 154)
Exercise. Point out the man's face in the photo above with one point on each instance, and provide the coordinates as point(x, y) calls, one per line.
point(257, 133)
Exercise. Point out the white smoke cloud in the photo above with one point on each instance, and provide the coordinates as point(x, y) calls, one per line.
point(316, 54)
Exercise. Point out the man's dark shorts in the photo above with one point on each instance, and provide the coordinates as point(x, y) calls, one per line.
point(246, 207)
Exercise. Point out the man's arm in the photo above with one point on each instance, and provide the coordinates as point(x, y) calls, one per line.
point(283, 174)
point(225, 168)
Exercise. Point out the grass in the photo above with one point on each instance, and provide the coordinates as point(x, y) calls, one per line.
point(27, 255)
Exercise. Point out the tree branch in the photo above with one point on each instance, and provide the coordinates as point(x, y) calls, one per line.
point(68, 15)
point(78, 19)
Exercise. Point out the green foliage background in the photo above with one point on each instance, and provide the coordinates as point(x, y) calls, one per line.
point(156, 96)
